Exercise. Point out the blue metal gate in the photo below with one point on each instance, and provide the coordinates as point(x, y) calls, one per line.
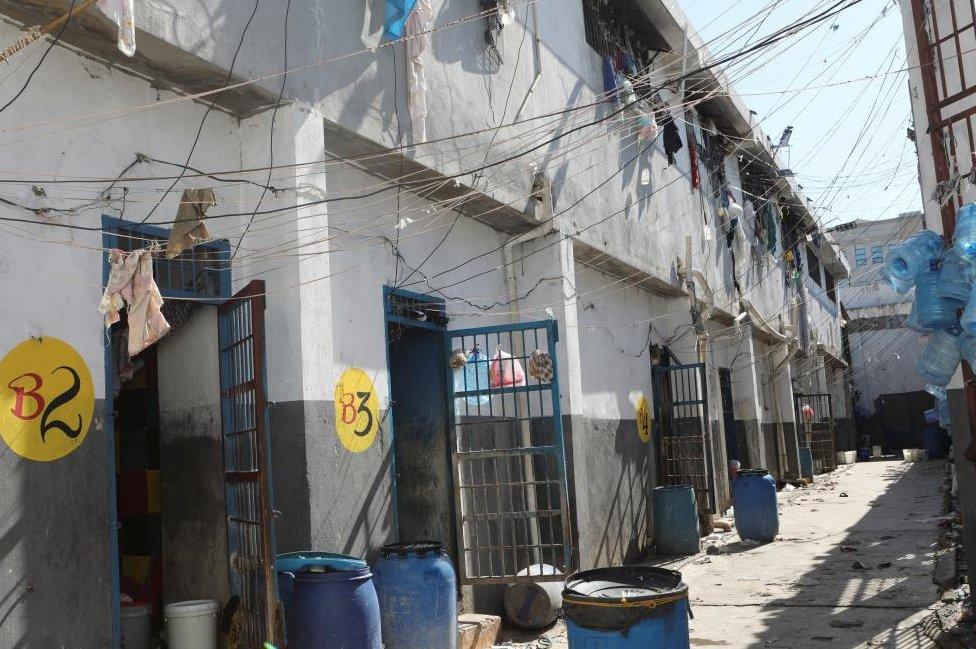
point(250, 519)
point(511, 498)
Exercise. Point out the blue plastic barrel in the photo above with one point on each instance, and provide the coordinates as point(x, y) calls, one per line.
point(936, 442)
point(627, 607)
point(287, 564)
point(338, 610)
point(756, 509)
point(417, 589)
point(676, 520)
point(806, 463)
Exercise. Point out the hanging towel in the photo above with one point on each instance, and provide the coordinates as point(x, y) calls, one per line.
point(122, 14)
point(418, 23)
point(771, 223)
point(131, 285)
point(189, 228)
point(693, 154)
point(397, 12)
point(505, 371)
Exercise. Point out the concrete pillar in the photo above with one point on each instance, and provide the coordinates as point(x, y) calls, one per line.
point(746, 391)
point(787, 438)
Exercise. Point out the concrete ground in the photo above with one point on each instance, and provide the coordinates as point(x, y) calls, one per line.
point(803, 590)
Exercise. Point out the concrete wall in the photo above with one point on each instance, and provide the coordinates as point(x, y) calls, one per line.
point(884, 363)
point(194, 515)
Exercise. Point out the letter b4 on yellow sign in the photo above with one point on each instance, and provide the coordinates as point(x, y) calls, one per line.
point(46, 399)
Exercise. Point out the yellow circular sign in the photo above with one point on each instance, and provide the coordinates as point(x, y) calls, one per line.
point(46, 399)
point(643, 419)
point(357, 410)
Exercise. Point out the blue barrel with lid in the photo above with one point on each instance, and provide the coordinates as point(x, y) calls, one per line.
point(626, 607)
point(417, 589)
point(676, 520)
point(756, 509)
point(334, 609)
point(289, 563)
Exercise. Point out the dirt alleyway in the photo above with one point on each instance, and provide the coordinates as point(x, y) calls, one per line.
point(852, 567)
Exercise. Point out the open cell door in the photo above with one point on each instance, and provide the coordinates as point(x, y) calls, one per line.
point(511, 498)
point(250, 518)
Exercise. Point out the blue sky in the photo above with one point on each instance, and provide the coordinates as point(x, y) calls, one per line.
point(849, 148)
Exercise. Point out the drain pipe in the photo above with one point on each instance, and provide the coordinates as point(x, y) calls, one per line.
point(525, 431)
point(537, 53)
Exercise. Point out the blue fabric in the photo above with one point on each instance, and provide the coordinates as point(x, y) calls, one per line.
point(609, 79)
point(396, 17)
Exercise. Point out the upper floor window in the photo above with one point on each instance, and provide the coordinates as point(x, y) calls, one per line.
point(813, 266)
point(620, 27)
point(877, 254)
point(860, 256)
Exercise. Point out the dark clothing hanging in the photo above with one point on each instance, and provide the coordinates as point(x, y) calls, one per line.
point(693, 154)
point(672, 138)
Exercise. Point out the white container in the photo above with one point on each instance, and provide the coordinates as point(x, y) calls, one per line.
point(915, 454)
point(136, 626)
point(846, 457)
point(875, 451)
point(192, 624)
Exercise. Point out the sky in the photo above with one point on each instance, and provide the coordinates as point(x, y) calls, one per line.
point(849, 148)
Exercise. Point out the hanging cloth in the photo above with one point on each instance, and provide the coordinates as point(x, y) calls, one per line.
point(131, 285)
point(121, 13)
point(609, 79)
point(418, 24)
point(190, 228)
point(672, 138)
point(693, 154)
point(397, 12)
point(772, 218)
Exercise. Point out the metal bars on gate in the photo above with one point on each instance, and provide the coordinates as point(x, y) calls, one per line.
point(511, 498)
point(814, 413)
point(681, 410)
point(250, 544)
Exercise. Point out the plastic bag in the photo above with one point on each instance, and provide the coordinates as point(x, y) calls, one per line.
point(505, 371)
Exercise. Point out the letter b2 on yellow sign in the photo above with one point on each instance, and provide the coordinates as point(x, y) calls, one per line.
point(46, 399)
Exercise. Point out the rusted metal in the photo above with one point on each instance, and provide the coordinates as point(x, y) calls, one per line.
point(250, 517)
point(817, 430)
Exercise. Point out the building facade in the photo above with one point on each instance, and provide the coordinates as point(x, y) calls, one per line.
point(340, 367)
point(890, 395)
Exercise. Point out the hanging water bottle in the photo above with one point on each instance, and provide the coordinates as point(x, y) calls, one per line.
point(968, 319)
point(944, 419)
point(940, 358)
point(934, 312)
point(956, 282)
point(965, 233)
point(912, 321)
point(902, 286)
point(911, 257)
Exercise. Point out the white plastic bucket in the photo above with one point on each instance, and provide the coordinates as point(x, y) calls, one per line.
point(192, 624)
point(875, 451)
point(846, 457)
point(136, 626)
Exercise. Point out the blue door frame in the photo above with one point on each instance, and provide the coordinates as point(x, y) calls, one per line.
point(112, 237)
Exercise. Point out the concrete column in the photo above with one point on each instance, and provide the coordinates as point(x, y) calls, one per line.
point(785, 412)
point(746, 396)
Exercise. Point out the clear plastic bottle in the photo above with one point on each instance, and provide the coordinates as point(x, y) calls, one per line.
point(940, 358)
point(911, 257)
point(912, 321)
point(902, 286)
point(956, 283)
point(965, 234)
point(933, 312)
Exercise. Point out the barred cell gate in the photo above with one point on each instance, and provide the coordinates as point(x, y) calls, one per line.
point(250, 519)
point(681, 411)
point(511, 498)
point(815, 418)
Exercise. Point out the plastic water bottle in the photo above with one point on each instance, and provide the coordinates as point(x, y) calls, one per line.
point(902, 286)
point(940, 358)
point(912, 321)
point(965, 234)
point(968, 318)
point(956, 282)
point(944, 419)
point(934, 312)
point(912, 257)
